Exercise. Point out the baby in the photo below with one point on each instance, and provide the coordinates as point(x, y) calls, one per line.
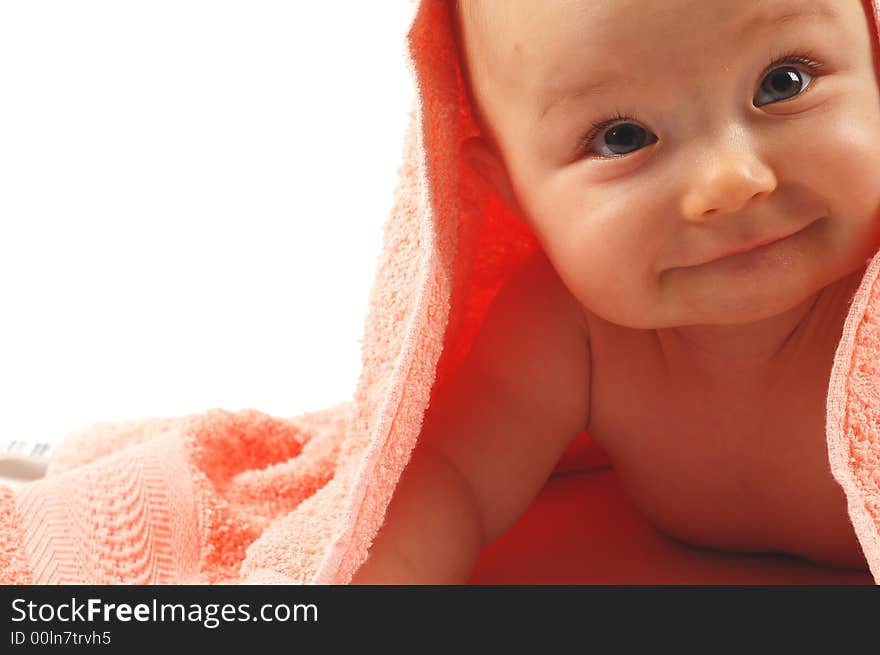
point(701, 176)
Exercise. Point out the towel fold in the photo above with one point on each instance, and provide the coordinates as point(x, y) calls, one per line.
point(244, 497)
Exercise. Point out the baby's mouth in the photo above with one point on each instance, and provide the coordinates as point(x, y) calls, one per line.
point(745, 249)
point(743, 254)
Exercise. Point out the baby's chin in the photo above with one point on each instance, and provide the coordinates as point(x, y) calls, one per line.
point(747, 310)
point(746, 303)
point(737, 291)
point(732, 304)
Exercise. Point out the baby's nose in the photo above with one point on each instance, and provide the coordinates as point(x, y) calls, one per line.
point(725, 182)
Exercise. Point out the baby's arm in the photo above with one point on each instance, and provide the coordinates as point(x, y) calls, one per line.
point(492, 436)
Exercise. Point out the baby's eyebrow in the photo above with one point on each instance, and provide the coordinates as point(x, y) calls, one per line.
point(763, 17)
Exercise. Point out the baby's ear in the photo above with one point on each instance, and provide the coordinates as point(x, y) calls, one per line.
point(478, 155)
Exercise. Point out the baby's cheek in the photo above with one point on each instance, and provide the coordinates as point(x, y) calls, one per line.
point(850, 165)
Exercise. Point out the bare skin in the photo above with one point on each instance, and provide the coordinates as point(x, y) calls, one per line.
point(703, 376)
point(747, 469)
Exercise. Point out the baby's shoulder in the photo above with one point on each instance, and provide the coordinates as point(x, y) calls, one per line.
point(534, 291)
point(534, 342)
point(539, 285)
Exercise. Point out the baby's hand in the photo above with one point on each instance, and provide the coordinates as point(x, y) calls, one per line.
point(491, 437)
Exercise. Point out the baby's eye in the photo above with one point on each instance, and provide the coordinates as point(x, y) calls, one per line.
point(619, 136)
point(781, 84)
point(622, 135)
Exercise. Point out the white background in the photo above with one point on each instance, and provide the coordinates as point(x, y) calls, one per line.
point(192, 197)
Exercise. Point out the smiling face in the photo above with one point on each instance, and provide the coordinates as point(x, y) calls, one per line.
point(642, 139)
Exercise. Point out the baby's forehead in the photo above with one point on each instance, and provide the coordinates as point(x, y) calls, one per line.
point(522, 43)
point(536, 45)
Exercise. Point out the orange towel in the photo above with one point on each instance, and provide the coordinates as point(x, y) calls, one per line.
point(249, 498)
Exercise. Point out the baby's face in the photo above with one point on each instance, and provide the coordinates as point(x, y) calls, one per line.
point(642, 139)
